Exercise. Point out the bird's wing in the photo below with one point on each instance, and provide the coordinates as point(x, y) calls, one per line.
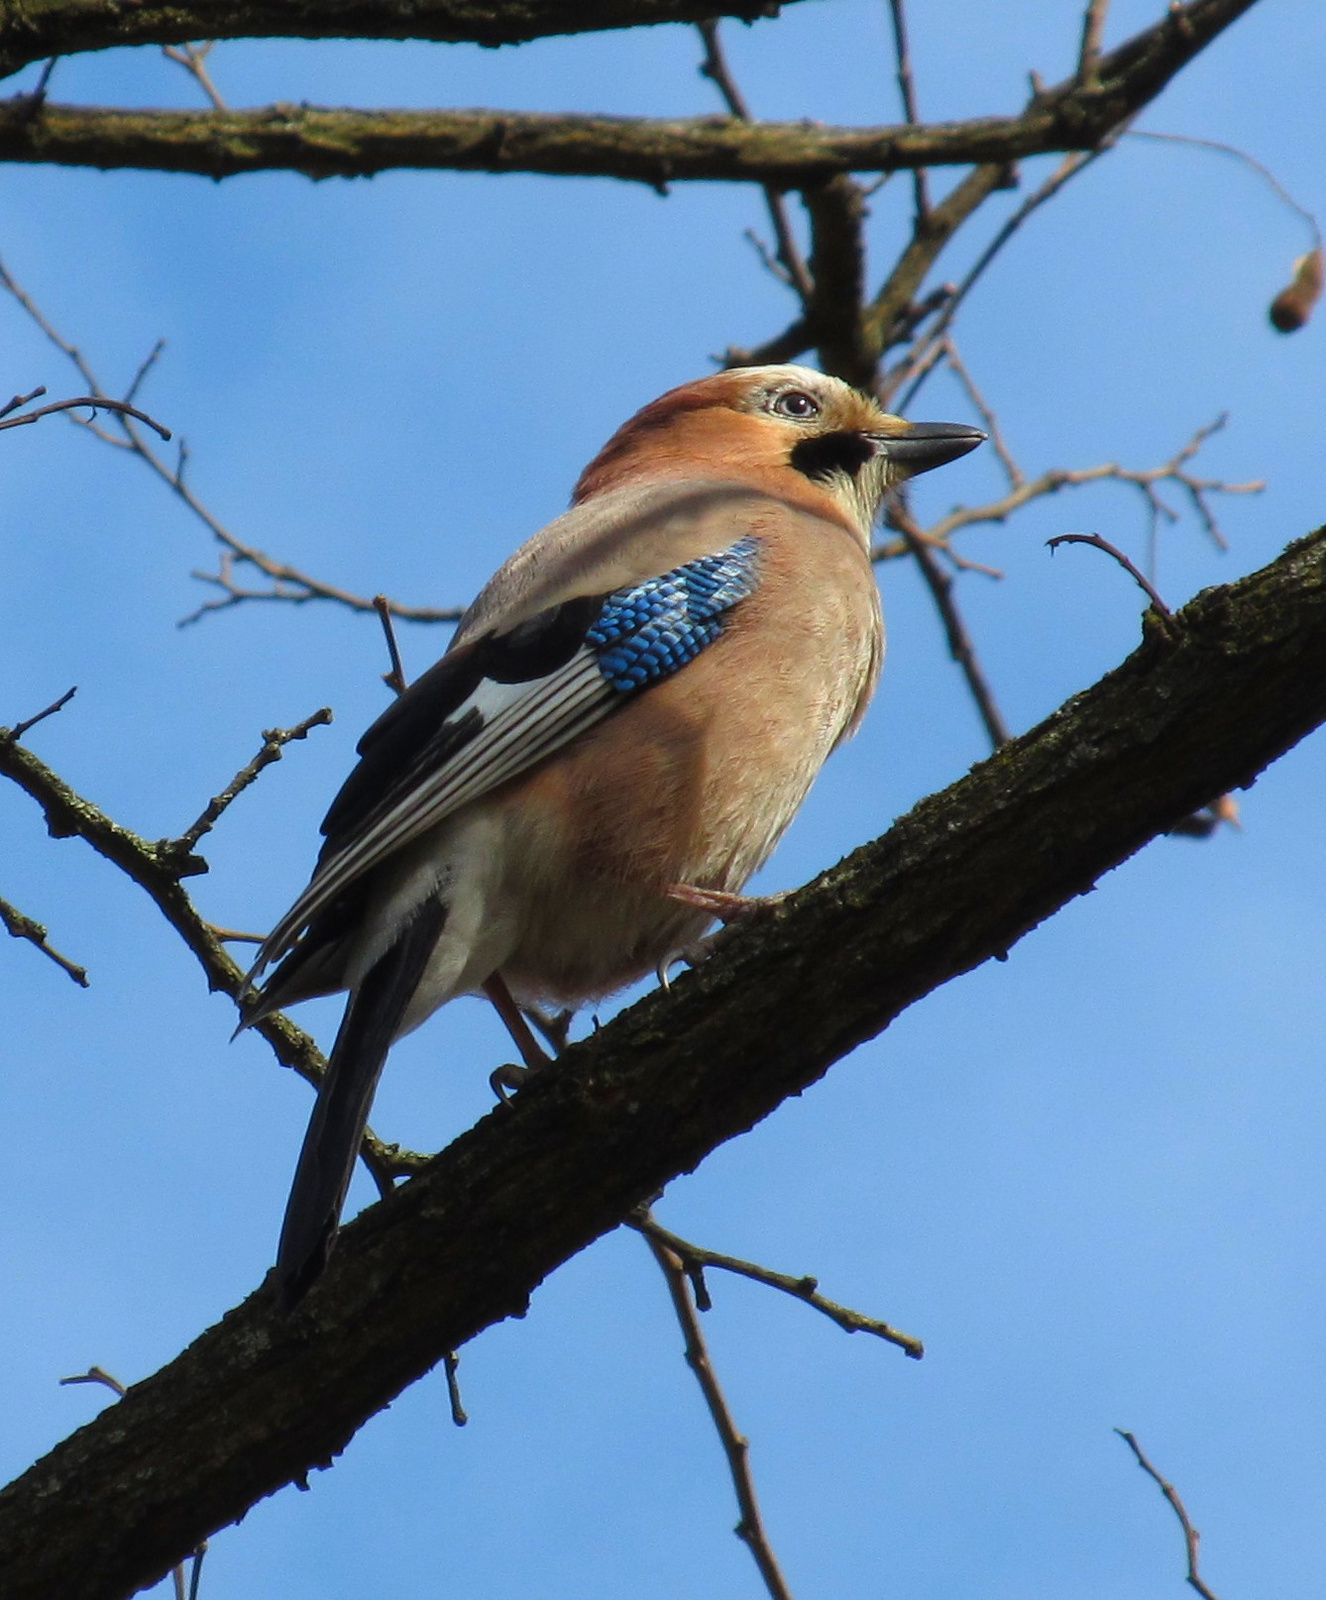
point(502, 701)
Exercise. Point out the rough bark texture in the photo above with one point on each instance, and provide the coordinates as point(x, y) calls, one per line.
point(257, 1401)
point(322, 143)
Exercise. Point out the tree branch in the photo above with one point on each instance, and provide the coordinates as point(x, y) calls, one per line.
point(323, 143)
point(260, 1399)
point(158, 867)
point(21, 926)
point(31, 30)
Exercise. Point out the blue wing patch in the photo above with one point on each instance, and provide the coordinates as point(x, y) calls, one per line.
point(650, 631)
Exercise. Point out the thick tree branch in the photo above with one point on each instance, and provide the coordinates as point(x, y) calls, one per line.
point(324, 143)
point(260, 1399)
point(31, 30)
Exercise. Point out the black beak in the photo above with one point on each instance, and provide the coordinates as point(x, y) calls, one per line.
point(929, 444)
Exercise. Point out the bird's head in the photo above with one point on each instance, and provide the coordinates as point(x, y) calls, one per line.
point(758, 424)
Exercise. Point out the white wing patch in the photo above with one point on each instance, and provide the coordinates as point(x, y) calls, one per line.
point(521, 723)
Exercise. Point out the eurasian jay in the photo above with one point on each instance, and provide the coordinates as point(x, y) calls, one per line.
point(626, 720)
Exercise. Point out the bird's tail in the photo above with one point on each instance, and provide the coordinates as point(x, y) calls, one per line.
point(326, 1163)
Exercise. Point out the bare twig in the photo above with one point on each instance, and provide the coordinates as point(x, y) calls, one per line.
point(959, 639)
point(98, 1375)
point(233, 935)
point(21, 400)
point(695, 1259)
point(21, 926)
point(193, 58)
point(395, 679)
point(158, 869)
point(917, 368)
point(274, 741)
point(787, 254)
point(1093, 28)
point(1221, 148)
point(287, 583)
point(736, 1447)
point(144, 367)
point(1144, 583)
point(1145, 480)
point(907, 90)
point(458, 1413)
point(1191, 1538)
point(889, 318)
point(14, 734)
point(94, 402)
point(958, 367)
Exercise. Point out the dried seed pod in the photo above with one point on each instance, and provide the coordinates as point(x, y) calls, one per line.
point(1293, 306)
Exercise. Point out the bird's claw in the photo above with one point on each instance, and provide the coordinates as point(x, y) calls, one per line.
point(507, 1080)
point(732, 910)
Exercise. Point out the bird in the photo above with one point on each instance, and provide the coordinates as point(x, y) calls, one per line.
point(626, 720)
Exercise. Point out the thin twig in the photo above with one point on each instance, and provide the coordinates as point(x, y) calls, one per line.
point(958, 367)
point(98, 1375)
point(288, 583)
point(787, 253)
point(144, 367)
point(274, 741)
point(888, 319)
point(14, 734)
point(158, 868)
point(750, 1529)
point(959, 639)
point(43, 82)
point(696, 1258)
point(1093, 28)
point(458, 1413)
point(907, 90)
point(193, 58)
point(95, 402)
point(22, 400)
point(395, 679)
point(21, 926)
point(1144, 479)
point(1224, 149)
point(1191, 1538)
point(915, 371)
point(1144, 583)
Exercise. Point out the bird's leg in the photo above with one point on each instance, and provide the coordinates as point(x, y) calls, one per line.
point(732, 910)
point(510, 1076)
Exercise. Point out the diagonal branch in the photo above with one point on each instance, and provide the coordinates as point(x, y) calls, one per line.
point(324, 143)
point(21, 926)
point(284, 582)
point(158, 867)
point(260, 1399)
point(736, 1447)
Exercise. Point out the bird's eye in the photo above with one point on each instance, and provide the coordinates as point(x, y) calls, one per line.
point(796, 403)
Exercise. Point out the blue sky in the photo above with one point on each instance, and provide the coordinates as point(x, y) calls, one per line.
point(1089, 1178)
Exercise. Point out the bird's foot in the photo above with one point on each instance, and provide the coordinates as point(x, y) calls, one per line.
point(732, 910)
point(508, 1079)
